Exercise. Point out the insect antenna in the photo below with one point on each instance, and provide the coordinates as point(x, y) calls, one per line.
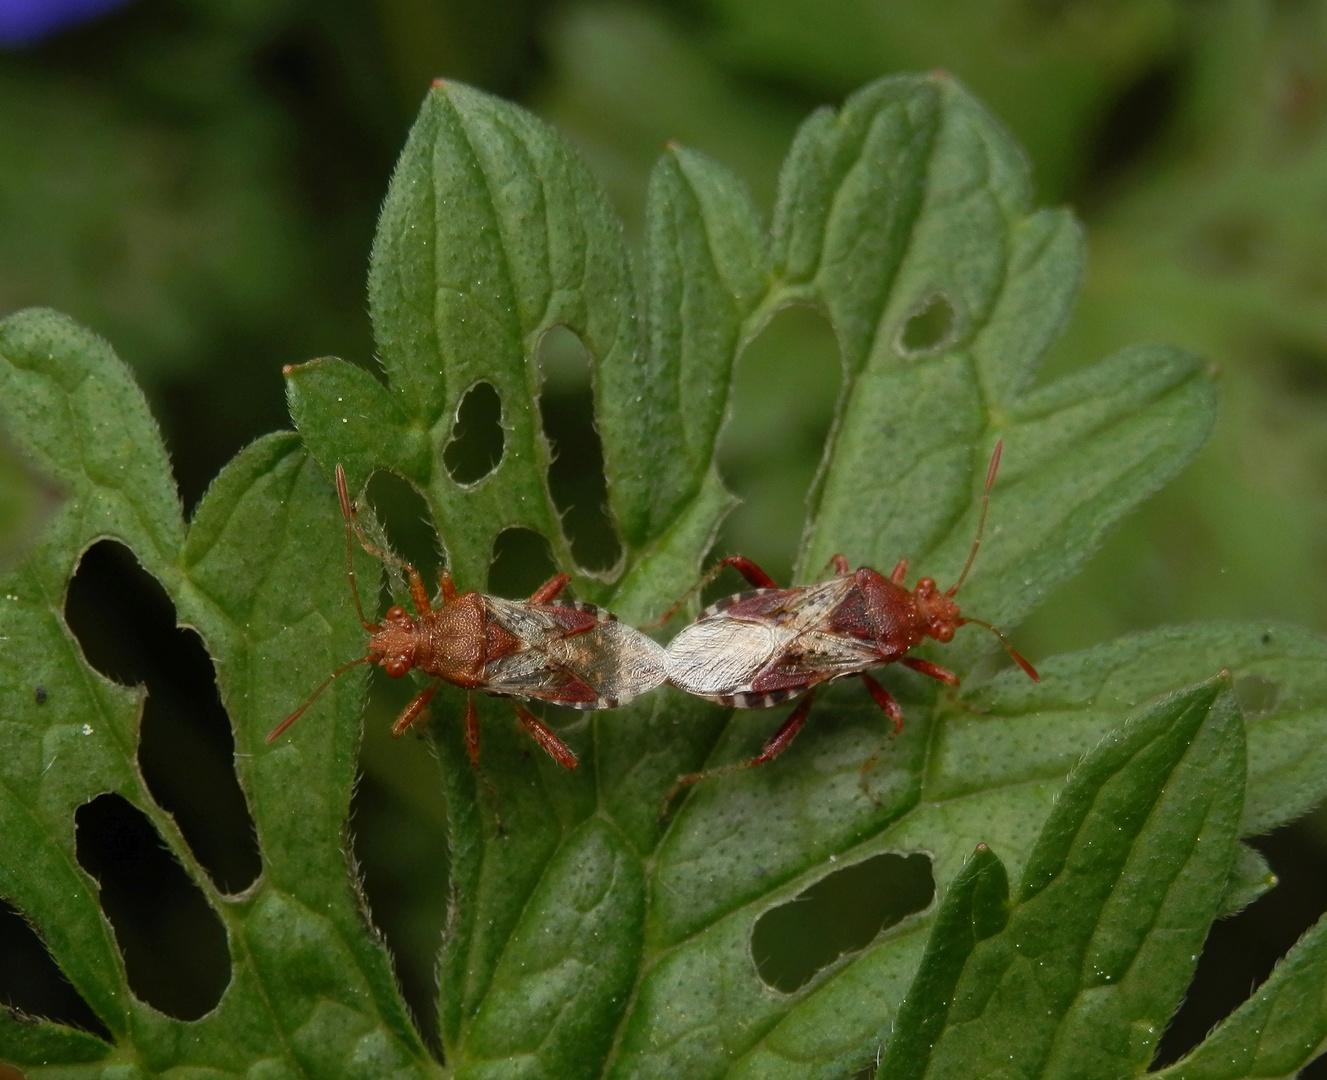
point(280, 729)
point(1013, 653)
point(981, 521)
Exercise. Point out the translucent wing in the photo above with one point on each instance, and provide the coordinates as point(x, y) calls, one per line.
point(573, 654)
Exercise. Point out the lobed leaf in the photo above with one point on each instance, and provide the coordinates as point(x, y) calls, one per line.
point(311, 992)
point(910, 193)
point(975, 908)
point(585, 938)
point(1114, 904)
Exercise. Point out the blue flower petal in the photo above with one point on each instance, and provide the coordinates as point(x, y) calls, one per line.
point(26, 22)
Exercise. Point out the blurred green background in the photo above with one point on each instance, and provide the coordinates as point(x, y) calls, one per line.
point(198, 181)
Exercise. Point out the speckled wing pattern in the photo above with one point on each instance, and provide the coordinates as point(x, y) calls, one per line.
point(595, 663)
point(761, 647)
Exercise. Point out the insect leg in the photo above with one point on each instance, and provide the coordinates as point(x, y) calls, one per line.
point(549, 589)
point(748, 570)
point(740, 563)
point(777, 744)
point(472, 731)
point(840, 564)
point(555, 747)
point(891, 708)
point(472, 752)
point(411, 712)
point(927, 668)
point(887, 704)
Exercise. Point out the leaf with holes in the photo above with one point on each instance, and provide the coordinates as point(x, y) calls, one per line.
point(310, 992)
point(1080, 975)
point(586, 939)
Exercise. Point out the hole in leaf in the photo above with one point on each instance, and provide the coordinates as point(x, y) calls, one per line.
point(1241, 951)
point(931, 326)
point(32, 982)
point(125, 622)
point(576, 475)
point(400, 845)
point(404, 517)
point(782, 406)
point(839, 914)
point(476, 444)
point(174, 946)
point(521, 563)
point(1256, 695)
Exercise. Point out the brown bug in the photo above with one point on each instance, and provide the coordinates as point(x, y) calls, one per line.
point(569, 653)
point(765, 646)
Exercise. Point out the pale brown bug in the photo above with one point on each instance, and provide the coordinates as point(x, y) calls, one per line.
point(568, 653)
point(768, 645)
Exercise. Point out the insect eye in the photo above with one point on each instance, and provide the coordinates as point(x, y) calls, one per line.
point(395, 614)
point(944, 633)
point(396, 666)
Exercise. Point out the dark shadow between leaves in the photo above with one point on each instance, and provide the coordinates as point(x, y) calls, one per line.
point(840, 914)
point(404, 517)
point(32, 983)
point(576, 476)
point(125, 623)
point(174, 945)
point(781, 407)
point(1241, 951)
point(521, 563)
point(475, 449)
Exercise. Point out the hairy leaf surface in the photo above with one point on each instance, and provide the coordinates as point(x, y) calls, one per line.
point(586, 937)
point(1079, 977)
point(311, 993)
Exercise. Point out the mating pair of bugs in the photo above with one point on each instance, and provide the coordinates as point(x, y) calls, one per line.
point(750, 651)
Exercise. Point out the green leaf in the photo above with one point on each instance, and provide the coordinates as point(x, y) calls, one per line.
point(1250, 878)
point(311, 992)
point(1277, 1031)
point(585, 938)
point(705, 260)
point(909, 193)
point(1280, 676)
point(1114, 904)
point(915, 425)
point(464, 296)
point(975, 908)
point(25, 502)
point(492, 234)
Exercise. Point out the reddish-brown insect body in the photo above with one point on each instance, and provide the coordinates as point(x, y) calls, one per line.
point(569, 653)
point(763, 647)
